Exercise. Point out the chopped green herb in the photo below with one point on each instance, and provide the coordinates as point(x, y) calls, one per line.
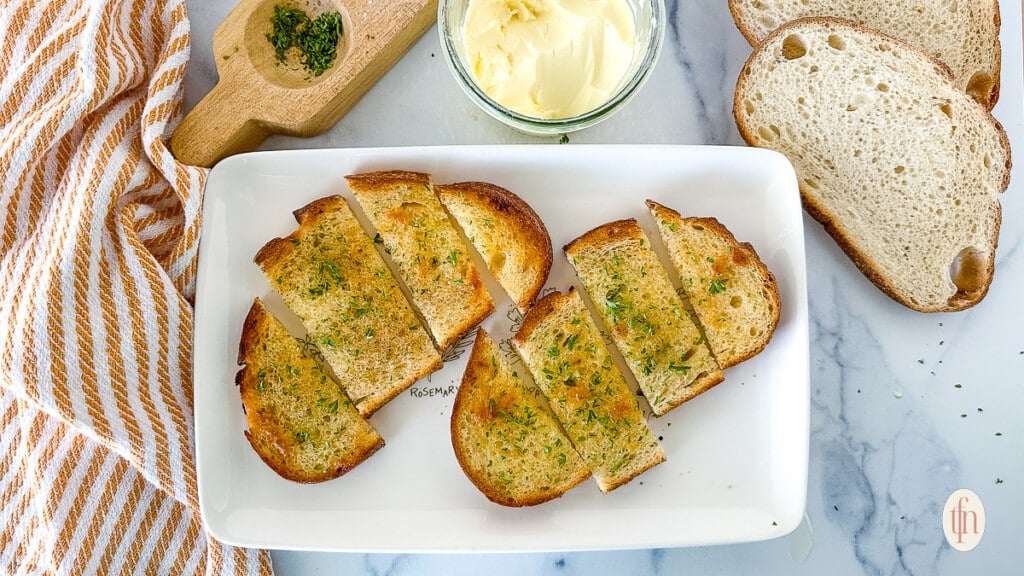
point(317, 39)
point(570, 342)
point(681, 368)
point(717, 286)
point(617, 465)
point(301, 437)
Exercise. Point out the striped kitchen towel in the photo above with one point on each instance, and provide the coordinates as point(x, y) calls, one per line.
point(98, 252)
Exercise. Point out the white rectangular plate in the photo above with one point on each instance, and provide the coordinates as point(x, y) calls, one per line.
point(737, 455)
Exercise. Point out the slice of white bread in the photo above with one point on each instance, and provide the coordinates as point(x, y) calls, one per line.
point(730, 289)
point(432, 260)
point(506, 232)
point(902, 169)
point(963, 34)
point(645, 316)
point(329, 273)
point(569, 362)
point(505, 437)
point(301, 423)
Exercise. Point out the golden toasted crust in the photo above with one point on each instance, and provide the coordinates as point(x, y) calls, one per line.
point(300, 422)
point(643, 313)
point(432, 260)
point(507, 232)
point(331, 276)
point(567, 357)
point(977, 262)
point(745, 297)
point(505, 437)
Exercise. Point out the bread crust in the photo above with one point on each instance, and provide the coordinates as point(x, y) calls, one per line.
point(530, 230)
point(980, 275)
point(603, 234)
point(376, 180)
point(540, 310)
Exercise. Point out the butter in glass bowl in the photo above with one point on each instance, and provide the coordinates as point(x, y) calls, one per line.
point(551, 66)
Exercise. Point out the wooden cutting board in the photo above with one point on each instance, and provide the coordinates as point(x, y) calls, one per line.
point(257, 95)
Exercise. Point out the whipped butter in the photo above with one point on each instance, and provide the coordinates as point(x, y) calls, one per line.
point(549, 58)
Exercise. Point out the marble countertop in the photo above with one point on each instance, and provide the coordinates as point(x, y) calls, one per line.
point(905, 407)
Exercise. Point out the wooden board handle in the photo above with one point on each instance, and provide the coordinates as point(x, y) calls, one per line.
point(217, 127)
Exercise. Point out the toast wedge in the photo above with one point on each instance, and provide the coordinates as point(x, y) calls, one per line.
point(432, 260)
point(507, 233)
point(964, 35)
point(730, 289)
point(301, 423)
point(903, 169)
point(505, 437)
point(646, 318)
point(568, 360)
point(331, 276)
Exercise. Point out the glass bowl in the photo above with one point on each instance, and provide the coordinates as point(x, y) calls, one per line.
point(649, 21)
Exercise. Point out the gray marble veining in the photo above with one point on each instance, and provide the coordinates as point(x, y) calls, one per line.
point(905, 407)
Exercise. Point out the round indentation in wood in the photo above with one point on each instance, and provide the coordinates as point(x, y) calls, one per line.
point(291, 73)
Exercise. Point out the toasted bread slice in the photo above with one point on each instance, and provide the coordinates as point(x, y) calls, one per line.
point(903, 169)
point(646, 317)
point(508, 234)
point(331, 276)
point(432, 260)
point(964, 35)
point(568, 360)
point(505, 437)
point(301, 423)
point(732, 292)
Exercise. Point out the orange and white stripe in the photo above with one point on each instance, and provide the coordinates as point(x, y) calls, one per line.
point(99, 231)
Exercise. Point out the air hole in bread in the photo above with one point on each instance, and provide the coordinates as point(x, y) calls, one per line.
point(988, 161)
point(497, 262)
point(698, 227)
point(793, 47)
point(748, 106)
point(882, 87)
point(753, 331)
point(688, 354)
point(980, 87)
point(968, 270)
point(836, 42)
point(766, 134)
point(736, 301)
point(899, 169)
point(946, 110)
point(811, 183)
